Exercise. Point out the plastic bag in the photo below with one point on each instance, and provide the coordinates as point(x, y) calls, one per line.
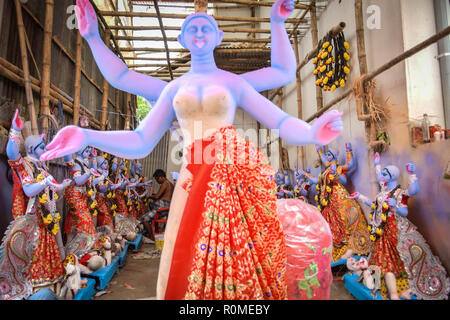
point(308, 248)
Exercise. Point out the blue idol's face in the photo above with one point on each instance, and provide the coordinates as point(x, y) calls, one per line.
point(200, 36)
point(39, 149)
point(330, 156)
point(84, 154)
point(104, 165)
point(384, 176)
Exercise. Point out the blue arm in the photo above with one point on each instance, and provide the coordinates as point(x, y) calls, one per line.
point(12, 150)
point(292, 130)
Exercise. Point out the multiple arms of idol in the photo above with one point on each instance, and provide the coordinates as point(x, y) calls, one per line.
point(280, 73)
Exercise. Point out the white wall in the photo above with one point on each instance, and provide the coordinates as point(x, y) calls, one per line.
point(422, 70)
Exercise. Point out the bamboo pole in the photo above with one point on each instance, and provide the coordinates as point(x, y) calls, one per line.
point(181, 65)
point(166, 47)
point(315, 43)
point(175, 39)
point(26, 69)
point(224, 28)
point(118, 21)
point(217, 50)
point(183, 16)
point(280, 142)
point(105, 89)
point(77, 84)
point(247, 2)
point(116, 116)
point(405, 55)
point(46, 63)
point(300, 150)
point(370, 130)
point(127, 107)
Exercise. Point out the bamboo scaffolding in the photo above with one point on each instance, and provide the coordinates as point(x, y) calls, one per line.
point(239, 66)
point(370, 130)
point(118, 21)
point(294, 31)
point(105, 89)
point(116, 116)
point(247, 2)
point(77, 84)
point(127, 106)
point(105, 27)
point(369, 76)
point(16, 75)
point(218, 50)
point(175, 39)
point(280, 142)
point(224, 28)
point(46, 63)
point(65, 51)
point(166, 46)
point(26, 70)
point(183, 16)
point(300, 150)
point(315, 43)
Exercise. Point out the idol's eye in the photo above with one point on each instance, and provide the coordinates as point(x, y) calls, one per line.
point(192, 29)
point(206, 29)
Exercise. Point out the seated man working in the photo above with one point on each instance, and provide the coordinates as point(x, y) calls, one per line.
point(161, 199)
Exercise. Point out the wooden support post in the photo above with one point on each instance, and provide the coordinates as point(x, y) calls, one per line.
point(46, 62)
point(155, 2)
point(77, 85)
point(315, 43)
point(26, 69)
point(105, 89)
point(127, 108)
point(300, 150)
point(361, 103)
point(280, 142)
point(116, 117)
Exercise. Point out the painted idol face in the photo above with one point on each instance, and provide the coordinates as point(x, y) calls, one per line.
point(200, 36)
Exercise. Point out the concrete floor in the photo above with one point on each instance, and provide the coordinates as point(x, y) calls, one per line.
point(137, 280)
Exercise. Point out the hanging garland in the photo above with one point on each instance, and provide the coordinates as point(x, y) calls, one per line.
point(332, 62)
point(47, 198)
point(324, 188)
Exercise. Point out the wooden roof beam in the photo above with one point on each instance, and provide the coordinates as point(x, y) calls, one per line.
point(183, 16)
point(246, 2)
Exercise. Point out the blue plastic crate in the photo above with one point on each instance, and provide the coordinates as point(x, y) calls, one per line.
point(122, 256)
point(105, 274)
point(43, 294)
point(137, 242)
point(359, 290)
point(86, 293)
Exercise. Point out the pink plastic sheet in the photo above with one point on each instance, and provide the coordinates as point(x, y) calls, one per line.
point(309, 245)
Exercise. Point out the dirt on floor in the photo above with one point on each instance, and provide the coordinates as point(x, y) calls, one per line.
point(137, 280)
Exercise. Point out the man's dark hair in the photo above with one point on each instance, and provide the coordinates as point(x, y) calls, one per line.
point(159, 173)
